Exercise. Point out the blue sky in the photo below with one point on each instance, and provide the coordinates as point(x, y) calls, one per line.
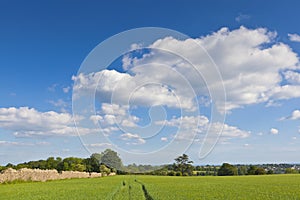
point(255, 46)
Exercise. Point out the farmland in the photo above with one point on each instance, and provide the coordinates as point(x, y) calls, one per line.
point(158, 187)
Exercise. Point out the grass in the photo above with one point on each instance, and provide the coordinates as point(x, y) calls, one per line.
point(241, 187)
point(77, 189)
point(158, 188)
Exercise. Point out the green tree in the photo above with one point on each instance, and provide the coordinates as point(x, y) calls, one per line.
point(227, 170)
point(111, 159)
point(104, 170)
point(97, 156)
point(91, 164)
point(242, 170)
point(52, 163)
point(291, 171)
point(184, 165)
point(260, 171)
point(252, 169)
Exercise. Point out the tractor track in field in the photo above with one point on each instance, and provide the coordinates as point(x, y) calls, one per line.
point(126, 191)
point(145, 191)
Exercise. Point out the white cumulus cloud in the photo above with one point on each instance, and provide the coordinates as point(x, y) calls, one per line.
point(26, 121)
point(292, 77)
point(274, 131)
point(294, 37)
point(200, 124)
point(295, 115)
point(134, 139)
point(243, 57)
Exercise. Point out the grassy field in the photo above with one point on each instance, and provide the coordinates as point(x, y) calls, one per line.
point(158, 187)
point(241, 187)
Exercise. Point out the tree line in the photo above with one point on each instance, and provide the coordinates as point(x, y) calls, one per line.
point(104, 162)
point(109, 161)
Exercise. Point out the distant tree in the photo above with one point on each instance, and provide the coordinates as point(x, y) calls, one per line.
point(227, 170)
point(252, 170)
point(21, 165)
point(97, 156)
point(178, 174)
point(215, 171)
point(111, 159)
point(260, 171)
point(2, 168)
point(91, 164)
point(171, 173)
point(52, 163)
point(242, 170)
point(184, 165)
point(104, 170)
point(9, 165)
point(291, 171)
point(79, 167)
point(270, 171)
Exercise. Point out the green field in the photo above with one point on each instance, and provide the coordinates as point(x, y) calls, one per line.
point(158, 187)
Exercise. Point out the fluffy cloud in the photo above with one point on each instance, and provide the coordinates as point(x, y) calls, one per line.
point(242, 17)
point(66, 89)
point(229, 131)
point(200, 124)
point(274, 131)
point(293, 77)
point(26, 121)
point(159, 77)
point(134, 139)
point(243, 56)
point(193, 123)
point(10, 143)
point(113, 114)
point(103, 145)
point(295, 115)
point(121, 89)
point(175, 73)
point(294, 37)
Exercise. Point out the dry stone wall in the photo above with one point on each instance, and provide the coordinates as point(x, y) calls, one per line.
point(25, 174)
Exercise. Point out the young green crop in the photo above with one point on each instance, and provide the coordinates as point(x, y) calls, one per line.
point(158, 188)
point(235, 187)
point(75, 189)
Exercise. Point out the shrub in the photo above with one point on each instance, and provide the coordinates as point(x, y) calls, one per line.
point(171, 173)
point(178, 174)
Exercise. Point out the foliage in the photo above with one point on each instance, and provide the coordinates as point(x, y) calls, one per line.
point(104, 170)
point(111, 159)
point(227, 170)
point(260, 171)
point(183, 165)
point(254, 170)
point(291, 171)
point(91, 164)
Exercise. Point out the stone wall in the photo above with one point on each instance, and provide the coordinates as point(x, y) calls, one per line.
point(42, 175)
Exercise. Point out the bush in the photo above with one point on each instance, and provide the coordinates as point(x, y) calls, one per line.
point(227, 170)
point(291, 171)
point(178, 174)
point(260, 171)
point(171, 173)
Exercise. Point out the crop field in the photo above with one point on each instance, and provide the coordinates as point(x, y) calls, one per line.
point(158, 187)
